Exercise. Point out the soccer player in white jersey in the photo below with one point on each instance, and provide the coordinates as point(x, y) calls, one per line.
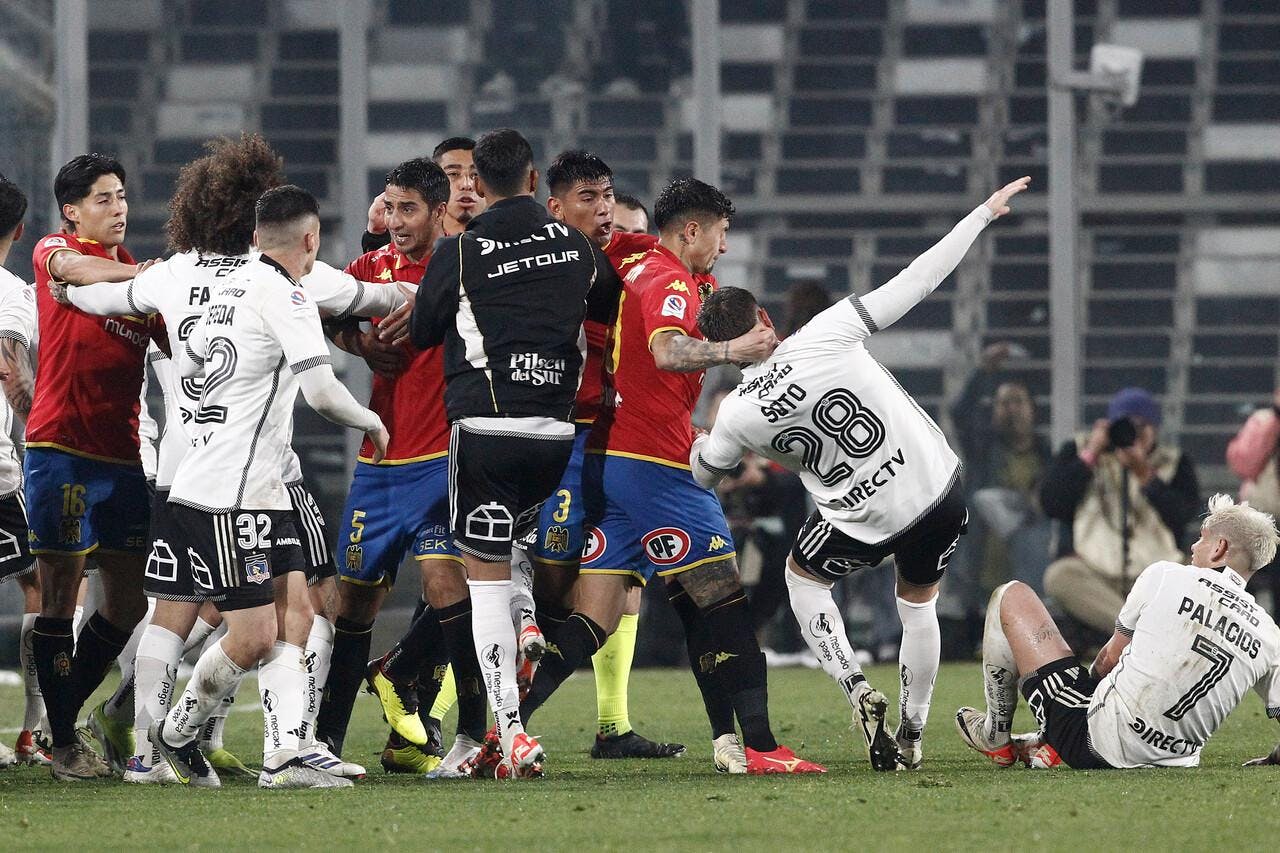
point(1189, 642)
point(17, 346)
point(883, 477)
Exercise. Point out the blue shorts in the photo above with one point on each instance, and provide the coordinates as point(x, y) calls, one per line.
point(392, 510)
point(76, 505)
point(560, 524)
point(645, 518)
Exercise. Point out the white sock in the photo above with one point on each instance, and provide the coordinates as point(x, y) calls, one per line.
point(218, 634)
point(30, 683)
point(496, 648)
point(213, 676)
point(211, 734)
point(918, 660)
point(999, 673)
point(282, 680)
point(155, 676)
point(120, 705)
point(77, 621)
point(199, 633)
point(823, 630)
point(317, 658)
point(522, 609)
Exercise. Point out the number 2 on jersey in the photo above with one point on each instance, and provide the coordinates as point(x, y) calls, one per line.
point(839, 415)
point(219, 366)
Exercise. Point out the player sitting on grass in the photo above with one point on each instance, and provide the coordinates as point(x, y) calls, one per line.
point(1188, 643)
point(881, 472)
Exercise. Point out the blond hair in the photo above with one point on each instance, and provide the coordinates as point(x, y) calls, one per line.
point(1250, 533)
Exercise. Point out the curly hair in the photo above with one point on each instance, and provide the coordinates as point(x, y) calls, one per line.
point(212, 209)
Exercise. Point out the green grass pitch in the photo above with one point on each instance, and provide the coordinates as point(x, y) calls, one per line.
point(955, 802)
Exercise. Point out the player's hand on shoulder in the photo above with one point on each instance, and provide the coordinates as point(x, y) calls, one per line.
point(145, 265)
point(998, 204)
point(755, 346)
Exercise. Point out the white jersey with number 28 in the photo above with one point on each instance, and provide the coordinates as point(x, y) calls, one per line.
point(1200, 642)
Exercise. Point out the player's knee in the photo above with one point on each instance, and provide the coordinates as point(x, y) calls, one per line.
point(1013, 597)
point(359, 603)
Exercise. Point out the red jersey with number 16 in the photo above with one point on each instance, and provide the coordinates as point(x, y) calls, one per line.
point(411, 403)
point(90, 369)
point(650, 415)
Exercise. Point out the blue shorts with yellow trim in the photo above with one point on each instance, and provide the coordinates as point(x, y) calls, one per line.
point(76, 504)
point(393, 510)
point(645, 518)
point(560, 524)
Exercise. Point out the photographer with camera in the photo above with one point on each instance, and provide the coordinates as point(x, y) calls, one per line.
point(1124, 501)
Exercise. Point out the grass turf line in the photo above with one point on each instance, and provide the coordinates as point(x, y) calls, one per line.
point(957, 801)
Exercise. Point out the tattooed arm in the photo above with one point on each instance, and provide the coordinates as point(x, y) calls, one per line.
point(16, 375)
point(680, 353)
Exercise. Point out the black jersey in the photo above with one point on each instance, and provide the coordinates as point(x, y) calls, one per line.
point(507, 298)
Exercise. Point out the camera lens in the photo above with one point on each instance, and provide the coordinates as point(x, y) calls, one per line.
point(1122, 433)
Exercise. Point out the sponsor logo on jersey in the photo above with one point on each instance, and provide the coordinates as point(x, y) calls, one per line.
point(53, 242)
point(256, 569)
point(1163, 741)
point(355, 557)
point(666, 546)
point(556, 539)
point(288, 540)
point(717, 543)
point(298, 298)
point(674, 306)
point(385, 275)
point(631, 277)
point(113, 326)
point(678, 286)
point(705, 289)
point(492, 656)
point(547, 232)
point(535, 369)
point(491, 522)
point(593, 545)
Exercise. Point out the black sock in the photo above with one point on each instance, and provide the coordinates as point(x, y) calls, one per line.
point(99, 644)
point(351, 642)
point(551, 619)
point(715, 698)
point(53, 646)
point(473, 707)
point(580, 638)
point(736, 658)
point(432, 667)
point(403, 663)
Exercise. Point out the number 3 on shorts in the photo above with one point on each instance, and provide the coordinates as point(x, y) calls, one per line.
point(562, 511)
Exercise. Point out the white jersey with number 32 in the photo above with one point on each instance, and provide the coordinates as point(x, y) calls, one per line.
point(1200, 642)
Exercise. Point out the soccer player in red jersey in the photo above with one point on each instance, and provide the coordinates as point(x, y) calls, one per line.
point(84, 486)
point(400, 506)
point(650, 515)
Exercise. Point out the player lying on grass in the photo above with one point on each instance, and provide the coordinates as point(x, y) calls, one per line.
point(1188, 643)
point(881, 472)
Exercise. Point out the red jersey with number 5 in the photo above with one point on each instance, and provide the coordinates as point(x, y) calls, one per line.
point(411, 403)
point(649, 412)
point(90, 369)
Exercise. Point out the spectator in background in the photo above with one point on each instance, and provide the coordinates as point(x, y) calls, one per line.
point(1004, 460)
point(1124, 501)
point(1254, 457)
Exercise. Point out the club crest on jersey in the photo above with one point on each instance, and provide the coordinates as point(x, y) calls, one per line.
point(593, 545)
point(705, 289)
point(556, 539)
point(256, 569)
point(355, 557)
point(666, 546)
point(674, 306)
point(298, 298)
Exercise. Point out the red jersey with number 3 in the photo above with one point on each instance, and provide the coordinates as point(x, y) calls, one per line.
point(651, 411)
point(622, 245)
point(90, 369)
point(411, 404)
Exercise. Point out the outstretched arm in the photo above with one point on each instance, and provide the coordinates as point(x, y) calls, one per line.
point(886, 304)
point(679, 353)
point(329, 397)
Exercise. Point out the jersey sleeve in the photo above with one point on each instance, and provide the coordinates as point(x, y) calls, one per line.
point(1144, 589)
point(18, 316)
point(1268, 687)
point(666, 305)
point(606, 287)
point(435, 309)
point(294, 320)
point(714, 456)
point(334, 292)
point(50, 246)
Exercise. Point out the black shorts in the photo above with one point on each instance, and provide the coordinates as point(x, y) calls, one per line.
point(233, 556)
point(1059, 695)
point(314, 535)
point(15, 556)
point(921, 552)
point(168, 575)
point(498, 482)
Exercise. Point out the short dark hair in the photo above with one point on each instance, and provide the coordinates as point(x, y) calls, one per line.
point(453, 143)
point(75, 179)
point(573, 166)
point(727, 313)
point(13, 206)
point(503, 160)
point(285, 204)
point(424, 176)
point(628, 200)
point(690, 198)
